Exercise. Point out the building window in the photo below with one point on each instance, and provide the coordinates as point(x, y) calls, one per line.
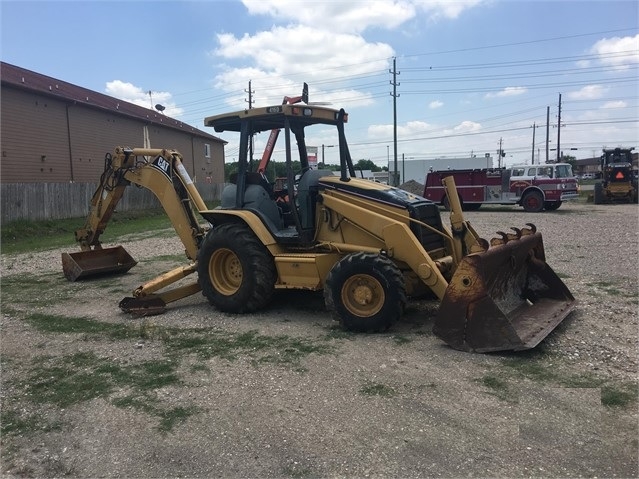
point(207, 150)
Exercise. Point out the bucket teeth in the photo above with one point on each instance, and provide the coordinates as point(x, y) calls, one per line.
point(504, 238)
point(499, 241)
point(517, 234)
point(481, 246)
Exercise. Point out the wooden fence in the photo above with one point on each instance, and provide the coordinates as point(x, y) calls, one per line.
point(46, 201)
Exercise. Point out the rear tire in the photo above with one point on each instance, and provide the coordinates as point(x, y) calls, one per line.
point(472, 206)
point(598, 195)
point(552, 205)
point(533, 202)
point(235, 270)
point(365, 292)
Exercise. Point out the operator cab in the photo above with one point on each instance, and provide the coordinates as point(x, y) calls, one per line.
point(288, 211)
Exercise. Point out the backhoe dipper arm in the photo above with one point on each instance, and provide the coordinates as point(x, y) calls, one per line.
point(465, 238)
point(164, 175)
point(104, 200)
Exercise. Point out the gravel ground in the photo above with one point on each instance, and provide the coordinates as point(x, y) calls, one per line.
point(398, 404)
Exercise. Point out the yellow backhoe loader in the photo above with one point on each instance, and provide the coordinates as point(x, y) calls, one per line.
point(369, 247)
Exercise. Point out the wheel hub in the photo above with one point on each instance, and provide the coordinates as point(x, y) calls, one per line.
point(363, 295)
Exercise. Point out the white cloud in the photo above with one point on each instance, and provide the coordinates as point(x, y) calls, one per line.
point(134, 94)
point(336, 16)
point(304, 49)
point(357, 16)
point(445, 8)
point(410, 129)
point(435, 104)
point(467, 127)
point(285, 57)
point(317, 43)
point(619, 53)
point(614, 104)
point(589, 92)
point(508, 91)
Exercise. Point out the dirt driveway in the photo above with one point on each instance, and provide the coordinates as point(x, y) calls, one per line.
point(90, 392)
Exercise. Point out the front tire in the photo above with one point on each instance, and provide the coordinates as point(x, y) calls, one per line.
point(533, 202)
point(235, 270)
point(552, 205)
point(365, 292)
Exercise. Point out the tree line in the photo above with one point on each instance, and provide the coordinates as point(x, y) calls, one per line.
point(277, 169)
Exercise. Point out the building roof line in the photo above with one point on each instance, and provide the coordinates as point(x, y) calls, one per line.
point(12, 75)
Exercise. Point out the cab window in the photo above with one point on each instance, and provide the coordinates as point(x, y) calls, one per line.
point(544, 171)
point(518, 172)
point(564, 171)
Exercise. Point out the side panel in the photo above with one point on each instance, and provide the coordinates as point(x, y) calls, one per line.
point(35, 144)
point(473, 186)
point(92, 136)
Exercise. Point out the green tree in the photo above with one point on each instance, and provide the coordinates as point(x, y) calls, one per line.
point(570, 159)
point(367, 165)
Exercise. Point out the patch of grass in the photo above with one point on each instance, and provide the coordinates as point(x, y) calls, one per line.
point(53, 323)
point(168, 417)
point(23, 236)
point(529, 367)
point(377, 389)
point(35, 290)
point(205, 343)
point(16, 423)
point(83, 376)
point(263, 349)
point(171, 417)
point(195, 368)
point(613, 394)
point(584, 380)
point(399, 340)
point(612, 289)
point(498, 388)
point(619, 395)
point(337, 332)
point(297, 471)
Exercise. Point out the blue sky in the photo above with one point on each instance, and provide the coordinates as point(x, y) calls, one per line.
point(471, 73)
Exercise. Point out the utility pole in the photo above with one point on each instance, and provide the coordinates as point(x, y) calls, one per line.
point(547, 130)
point(395, 95)
point(250, 105)
point(499, 155)
point(533, 145)
point(559, 131)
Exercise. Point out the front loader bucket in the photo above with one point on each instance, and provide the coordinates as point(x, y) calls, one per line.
point(96, 262)
point(506, 298)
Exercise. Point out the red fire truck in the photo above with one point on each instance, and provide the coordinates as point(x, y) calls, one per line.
point(535, 187)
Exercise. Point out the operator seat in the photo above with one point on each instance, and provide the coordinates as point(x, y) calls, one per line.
point(258, 196)
point(306, 199)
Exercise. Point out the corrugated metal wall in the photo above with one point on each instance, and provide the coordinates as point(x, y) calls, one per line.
point(53, 155)
point(35, 142)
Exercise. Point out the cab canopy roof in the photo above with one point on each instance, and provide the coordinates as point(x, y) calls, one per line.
point(273, 117)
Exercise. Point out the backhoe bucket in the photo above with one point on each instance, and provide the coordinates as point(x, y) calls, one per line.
point(96, 262)
point(506, 298)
